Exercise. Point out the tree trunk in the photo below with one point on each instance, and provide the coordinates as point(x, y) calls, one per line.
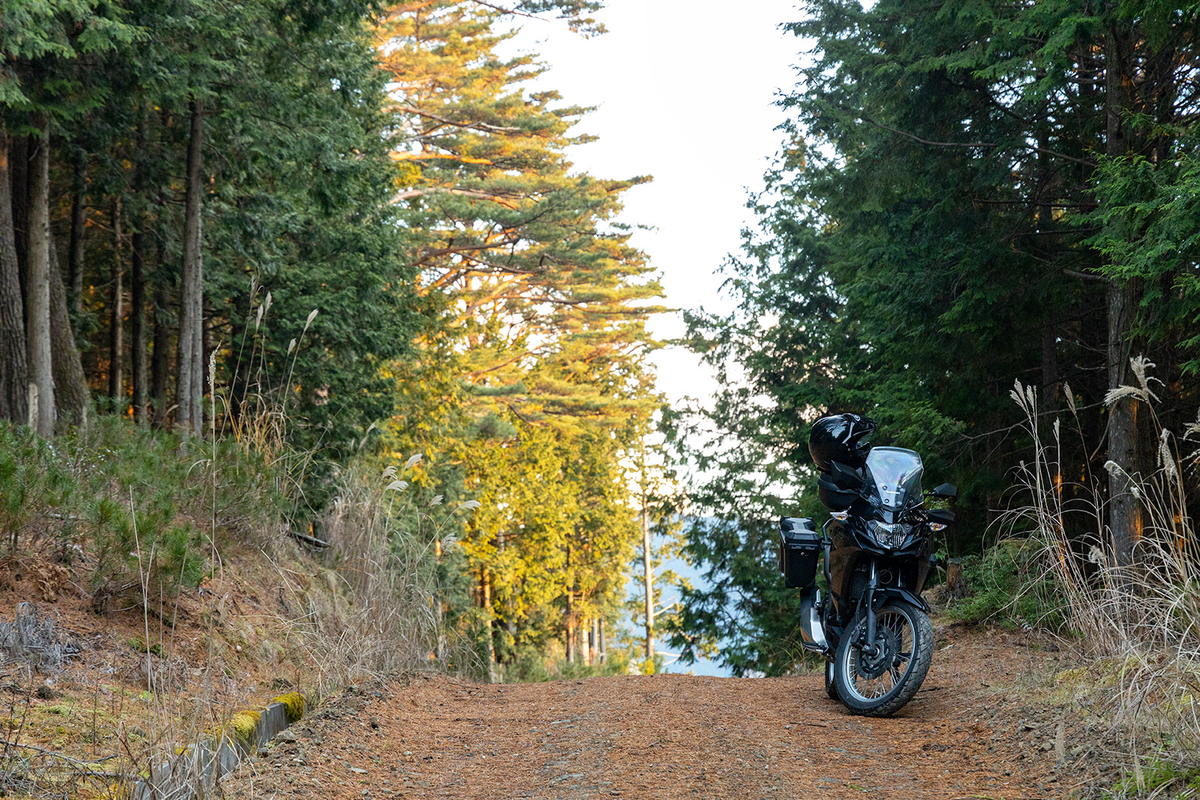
point(570, 614)
point(1125, 513)
point(137, 320)
point(14, 373)
point(116, 328)
point(137, 280)
point(189, 371)
point(648, 578)
point(1050, 383)
point(76, 250)
point(38, 311)
point(485, 592)
point(1125, 517)
point(160, 365)
point(19, 164)
point(594, 643)
point(70, 381)
point(956, 582)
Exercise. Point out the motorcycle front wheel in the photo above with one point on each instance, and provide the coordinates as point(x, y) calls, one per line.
point(879, 684)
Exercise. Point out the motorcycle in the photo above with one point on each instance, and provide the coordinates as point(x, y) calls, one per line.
point(873, 629)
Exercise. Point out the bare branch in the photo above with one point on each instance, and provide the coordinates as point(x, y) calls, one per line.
point(984, 145)
point(483, 126)
point(409, 194)
point(1085, 276)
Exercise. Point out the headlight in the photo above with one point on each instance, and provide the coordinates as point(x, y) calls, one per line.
point(889, 534)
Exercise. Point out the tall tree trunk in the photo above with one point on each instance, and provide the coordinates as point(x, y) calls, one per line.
point(592, 644)
point(14, 372)
point(19, 164)
point(137, 280)
point(38, 311)
point(1125, 517)
point(1048, 245)
point(116, 328)
point(1050, 376)
point(71, 391)
point(570, 620)
point(189, 381)
point(76, 251)
point(137, 319)
point(485, 593)
point(648, 580)
point(160, 365)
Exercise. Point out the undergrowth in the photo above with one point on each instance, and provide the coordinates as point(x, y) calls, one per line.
point(150, 511)
point(140, 517)
point(531, 665)
point(1002, 589)
point(1136, 625)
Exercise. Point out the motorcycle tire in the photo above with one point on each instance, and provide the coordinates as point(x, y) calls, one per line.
point(830, 684)
point(905, 638)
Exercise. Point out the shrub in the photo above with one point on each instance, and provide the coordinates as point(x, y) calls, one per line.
point(34, 481)
point(1006, 584)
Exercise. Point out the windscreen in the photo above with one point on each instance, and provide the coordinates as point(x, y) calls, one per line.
point(896, 475)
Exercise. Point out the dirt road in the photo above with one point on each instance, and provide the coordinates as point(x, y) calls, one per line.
point(969, 734)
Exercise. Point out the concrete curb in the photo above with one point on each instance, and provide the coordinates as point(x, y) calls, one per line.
point(198, 767)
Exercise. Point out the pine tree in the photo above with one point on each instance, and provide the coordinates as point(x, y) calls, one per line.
point(530, 368)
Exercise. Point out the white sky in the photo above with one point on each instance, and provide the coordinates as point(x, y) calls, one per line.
point(684, 91)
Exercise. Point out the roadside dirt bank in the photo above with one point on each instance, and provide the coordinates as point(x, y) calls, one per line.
point(972, 732)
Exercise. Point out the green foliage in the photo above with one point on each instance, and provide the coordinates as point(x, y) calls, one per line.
point(530, 664)
point(1155, 778)
point(135, 500)
point(1147, 216)
point(1004, 586)
point(942, 219)
point(157, 508)
point(34, 482)
point(139, 646)
point(745, 609)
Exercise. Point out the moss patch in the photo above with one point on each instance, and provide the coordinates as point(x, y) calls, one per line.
point(242, 726)
point(294, 706)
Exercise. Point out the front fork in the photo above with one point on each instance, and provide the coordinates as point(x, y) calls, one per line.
point(869, 648)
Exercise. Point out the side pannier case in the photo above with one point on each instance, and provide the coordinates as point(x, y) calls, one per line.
point(799, 548)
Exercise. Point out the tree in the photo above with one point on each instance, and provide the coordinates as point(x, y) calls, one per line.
point(37, 326)
point(189, 381)
point(40, 44)
point(929, 234)
point(530, 362)
point(13, 376)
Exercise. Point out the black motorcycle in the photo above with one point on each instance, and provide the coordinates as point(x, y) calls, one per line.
point(873, 629)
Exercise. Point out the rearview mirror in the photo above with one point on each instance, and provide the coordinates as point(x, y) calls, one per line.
point(941, 516)
point(946, 491)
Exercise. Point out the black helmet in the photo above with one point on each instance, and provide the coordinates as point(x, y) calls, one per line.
point(844, 438)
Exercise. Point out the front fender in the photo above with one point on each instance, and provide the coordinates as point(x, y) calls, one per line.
point(884, 593)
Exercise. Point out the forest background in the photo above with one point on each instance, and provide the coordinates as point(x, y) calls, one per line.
point(345, 231)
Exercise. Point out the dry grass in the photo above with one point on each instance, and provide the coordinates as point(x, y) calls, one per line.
point(387, 554)
point(1136, 625)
